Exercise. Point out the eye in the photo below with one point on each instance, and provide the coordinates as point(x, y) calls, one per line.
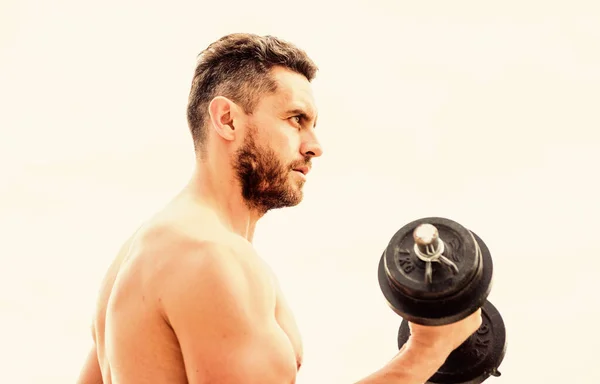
point(297, 120)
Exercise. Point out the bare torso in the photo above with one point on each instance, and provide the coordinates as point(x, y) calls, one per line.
point(135, 344)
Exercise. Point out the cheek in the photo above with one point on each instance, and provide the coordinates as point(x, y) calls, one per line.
point(290, 150)
point(286, 143)
point(292, 143)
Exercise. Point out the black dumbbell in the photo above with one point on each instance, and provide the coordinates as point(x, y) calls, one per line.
point(434, 271)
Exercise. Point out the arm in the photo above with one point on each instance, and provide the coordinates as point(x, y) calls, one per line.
point(221, 309)
point(425, 352)
point(411, 365)
point(222, 312)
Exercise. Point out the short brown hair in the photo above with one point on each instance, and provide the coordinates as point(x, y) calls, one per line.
point(238, 66)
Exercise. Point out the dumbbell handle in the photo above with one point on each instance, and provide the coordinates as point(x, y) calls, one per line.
point(429, 247)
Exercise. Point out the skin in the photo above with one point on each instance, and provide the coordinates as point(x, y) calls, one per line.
point(188, 300)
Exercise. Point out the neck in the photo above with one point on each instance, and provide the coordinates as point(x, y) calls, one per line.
point(218, 189)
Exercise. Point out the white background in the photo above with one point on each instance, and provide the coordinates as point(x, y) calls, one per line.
point(482, 112)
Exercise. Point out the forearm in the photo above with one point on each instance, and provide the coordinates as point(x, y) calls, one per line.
point(410, 366)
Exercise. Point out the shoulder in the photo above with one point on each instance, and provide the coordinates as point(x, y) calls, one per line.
point(186, 269)
point(177, 238)
point(216, 287)
point(200, 262)
point(185, 262)
point(184, 231)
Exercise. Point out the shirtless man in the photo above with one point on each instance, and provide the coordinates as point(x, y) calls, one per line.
point(187, 299)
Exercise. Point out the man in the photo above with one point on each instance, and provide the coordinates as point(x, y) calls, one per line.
point(187, 299)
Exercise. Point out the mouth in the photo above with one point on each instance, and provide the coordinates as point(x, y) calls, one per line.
point(302, 170)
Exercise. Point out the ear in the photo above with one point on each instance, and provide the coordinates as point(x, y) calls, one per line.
point(221, 111)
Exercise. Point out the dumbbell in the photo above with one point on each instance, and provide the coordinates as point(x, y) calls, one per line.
point(434, 271)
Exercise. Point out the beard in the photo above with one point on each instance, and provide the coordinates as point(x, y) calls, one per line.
point(264, 179)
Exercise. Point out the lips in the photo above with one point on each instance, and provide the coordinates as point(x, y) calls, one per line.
point(304, 170)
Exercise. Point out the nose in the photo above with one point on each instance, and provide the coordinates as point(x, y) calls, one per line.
point(311, 146)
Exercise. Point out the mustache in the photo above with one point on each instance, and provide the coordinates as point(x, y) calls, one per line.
point(301, 163)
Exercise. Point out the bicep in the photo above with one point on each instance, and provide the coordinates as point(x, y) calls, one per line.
point(220, 315)
point(261, 356)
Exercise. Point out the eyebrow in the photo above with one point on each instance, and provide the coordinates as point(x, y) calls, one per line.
point(302, 113)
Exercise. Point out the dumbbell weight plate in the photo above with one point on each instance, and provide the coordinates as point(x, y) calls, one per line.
point(451, 297)
point(477, 358)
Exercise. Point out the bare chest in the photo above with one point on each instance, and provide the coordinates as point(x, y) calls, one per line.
point(286, 321)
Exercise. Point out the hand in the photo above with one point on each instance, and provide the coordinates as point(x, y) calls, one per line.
point(426, 350)
point(443, 339)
